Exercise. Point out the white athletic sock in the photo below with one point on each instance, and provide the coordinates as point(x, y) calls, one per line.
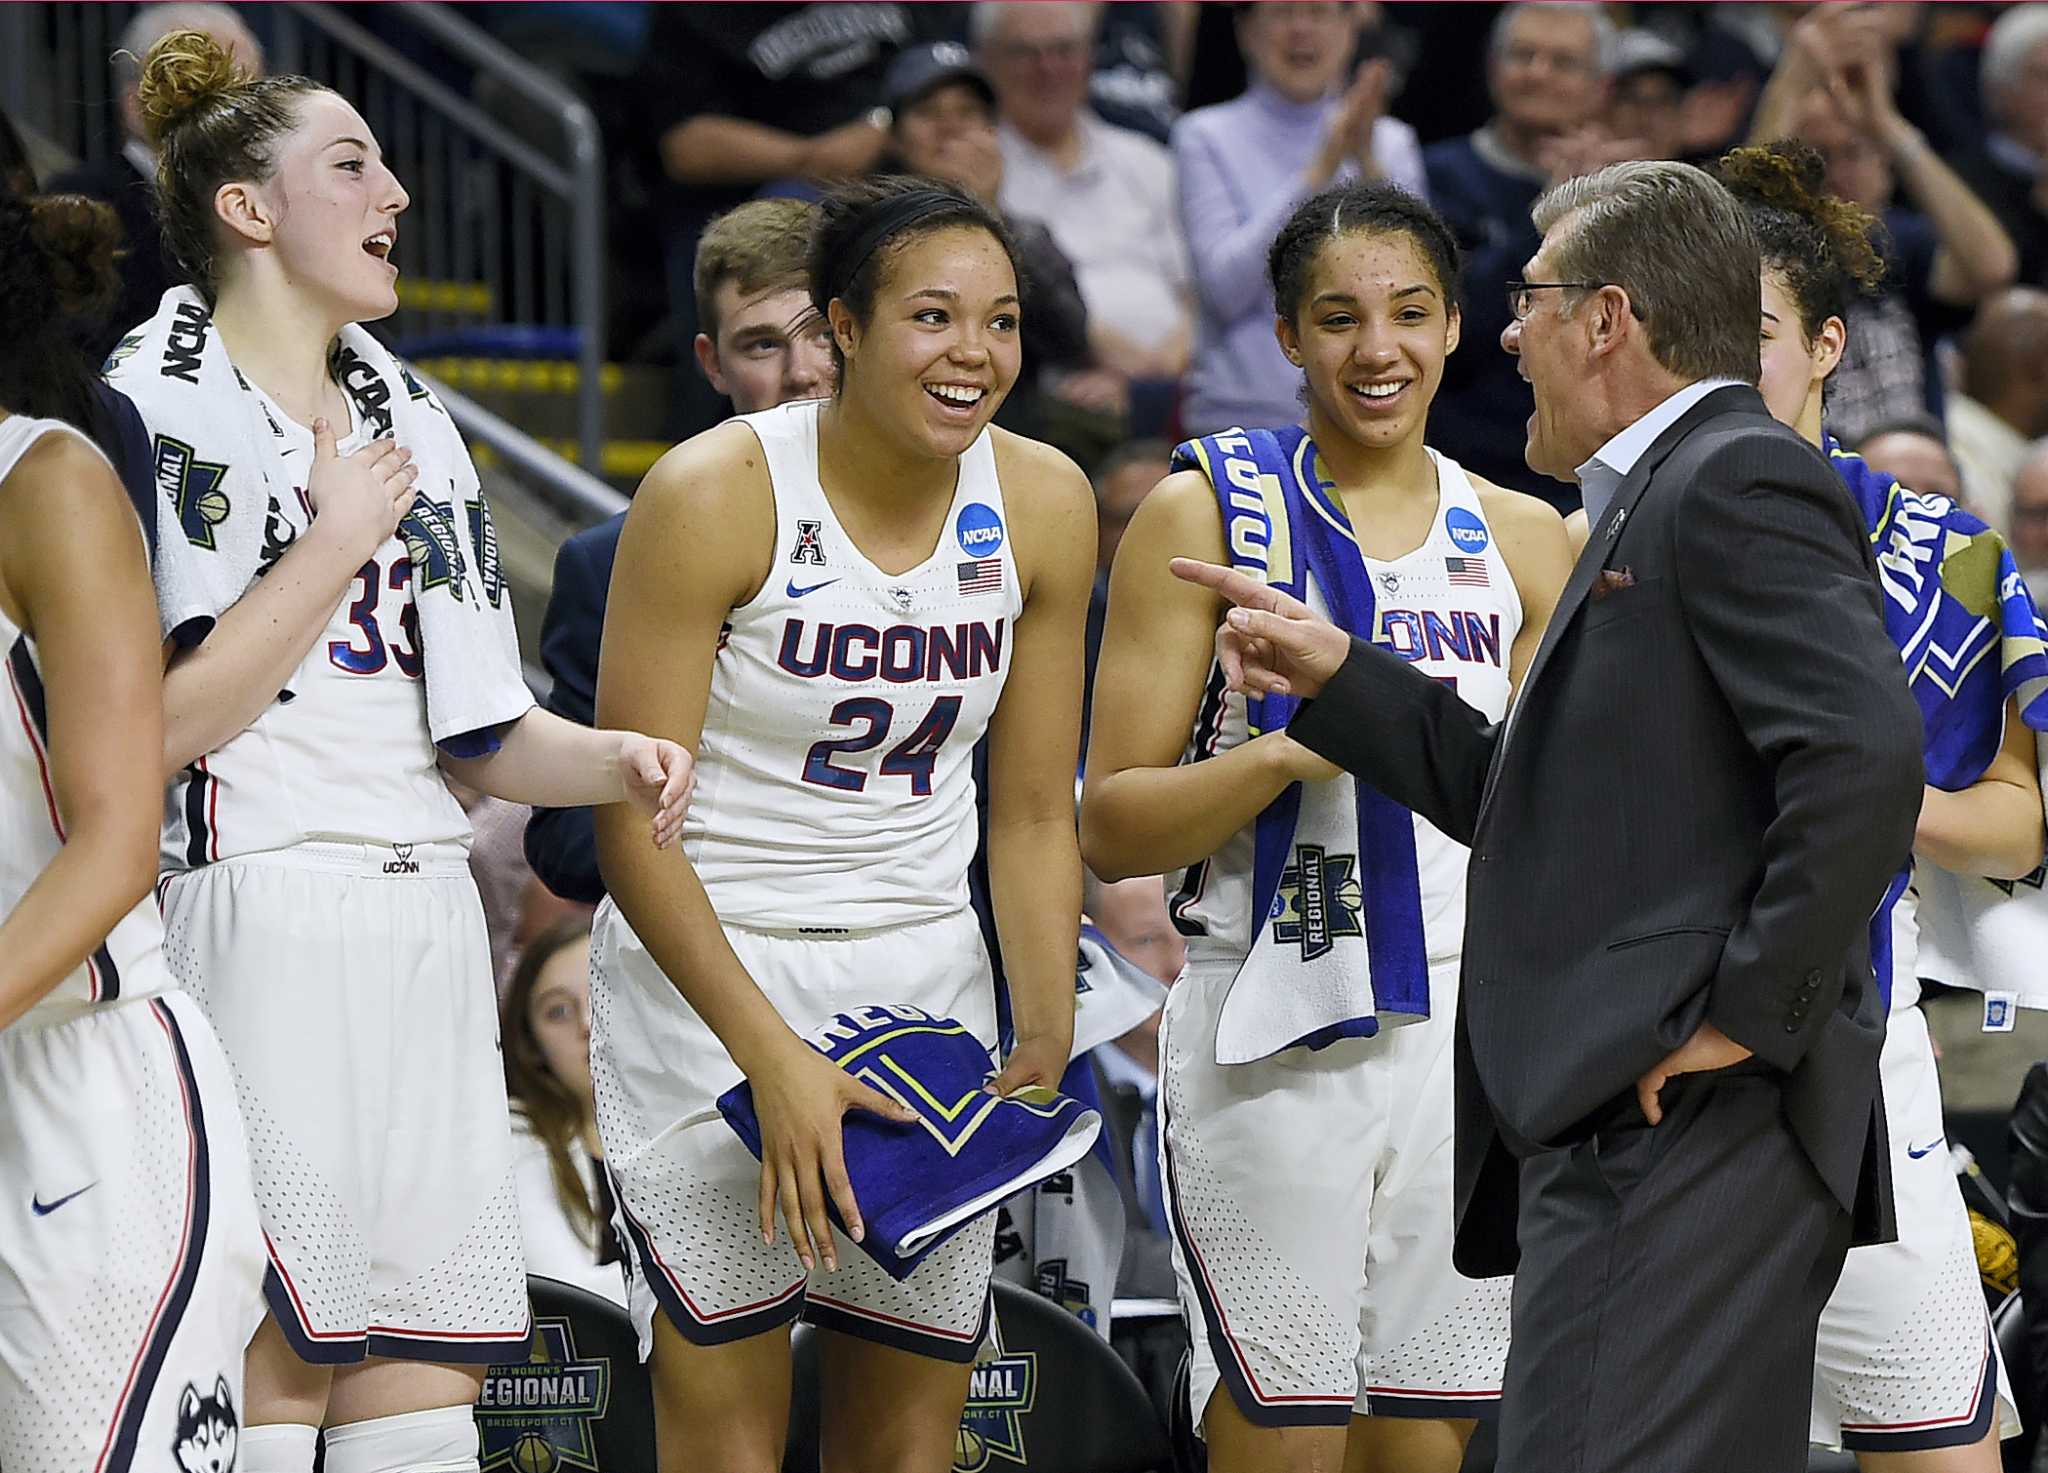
point(277, 1447)
point(439, 1440)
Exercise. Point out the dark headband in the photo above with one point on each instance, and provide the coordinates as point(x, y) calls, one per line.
point(897, 215)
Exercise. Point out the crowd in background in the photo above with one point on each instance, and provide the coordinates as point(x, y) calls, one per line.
point(1145, 154)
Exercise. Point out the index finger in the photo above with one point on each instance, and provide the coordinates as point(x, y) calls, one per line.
point(1238, 587)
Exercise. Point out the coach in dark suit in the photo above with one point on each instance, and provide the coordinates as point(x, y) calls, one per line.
point(1668, 1119)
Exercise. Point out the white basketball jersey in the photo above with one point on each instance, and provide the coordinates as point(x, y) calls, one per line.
point(129, 963)
point(1451, 609)
point(835, 785)
point(346, 754)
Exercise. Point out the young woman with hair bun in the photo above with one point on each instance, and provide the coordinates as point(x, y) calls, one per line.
point(831, 602)
point(337, 638)
point(130, 1256)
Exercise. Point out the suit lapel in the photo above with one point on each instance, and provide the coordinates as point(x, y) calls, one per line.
point(1600, 545)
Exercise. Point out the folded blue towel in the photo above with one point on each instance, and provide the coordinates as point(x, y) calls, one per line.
point(917, 1185)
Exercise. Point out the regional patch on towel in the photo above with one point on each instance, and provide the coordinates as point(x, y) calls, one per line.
point(919, 1184)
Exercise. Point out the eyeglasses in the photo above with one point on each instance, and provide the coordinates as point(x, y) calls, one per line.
point(1520, 299)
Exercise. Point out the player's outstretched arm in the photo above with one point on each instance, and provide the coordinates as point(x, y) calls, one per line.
point(75, 575)
point(1034, 858)
point(1144, 812)
point(547, 760)
point(216, 690)
point(696, 544)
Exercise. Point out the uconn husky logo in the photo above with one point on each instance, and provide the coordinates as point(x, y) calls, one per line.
point(207, 1430)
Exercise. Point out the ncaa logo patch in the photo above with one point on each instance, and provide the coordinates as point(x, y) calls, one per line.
point(1466, 531)
point(979, 529)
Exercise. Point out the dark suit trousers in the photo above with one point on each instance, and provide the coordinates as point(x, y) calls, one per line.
point(1671, 1283)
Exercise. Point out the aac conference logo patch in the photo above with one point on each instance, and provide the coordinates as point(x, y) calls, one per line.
point(537, 1417)
point(1467, 532)
point(979, 529)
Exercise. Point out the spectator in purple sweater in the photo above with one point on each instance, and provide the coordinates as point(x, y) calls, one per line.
point(1244, 166)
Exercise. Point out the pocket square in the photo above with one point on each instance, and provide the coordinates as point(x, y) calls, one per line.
point(1612, 580)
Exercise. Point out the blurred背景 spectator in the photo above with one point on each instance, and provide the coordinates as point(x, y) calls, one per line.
point(1121, 479)
point(1546, 72)
point(2000, 403)
point(17, 173)
point(2009, 169)
point(1646, 95)
point(1914, 449)
point(735, 97)
point(763, 344)
point(127, 180)
point(2027, 532)
point(1833, 88)
point(1106, 193)
point(943, 125)
point(1304, 119)
point(565, 1204)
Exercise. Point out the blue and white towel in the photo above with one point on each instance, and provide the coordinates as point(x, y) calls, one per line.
point(1972, 642)
point(222, 479)
point(1287, 528)
point(919, 1184)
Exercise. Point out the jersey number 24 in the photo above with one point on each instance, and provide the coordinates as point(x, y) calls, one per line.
point(914, 757)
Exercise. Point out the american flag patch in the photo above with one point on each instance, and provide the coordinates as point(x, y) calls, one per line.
point(1467, 572)
point(983, 575)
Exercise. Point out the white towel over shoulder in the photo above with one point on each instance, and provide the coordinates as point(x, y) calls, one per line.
point(220, 475)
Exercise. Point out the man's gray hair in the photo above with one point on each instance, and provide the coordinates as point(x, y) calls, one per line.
point(2006, 48)
point(1672, 238)
point(152, 23)
point(1605, 37)
point(986, 18)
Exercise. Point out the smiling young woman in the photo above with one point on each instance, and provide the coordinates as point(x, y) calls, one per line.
point(333, 646)
point(831, 602)
point(1319, 1288)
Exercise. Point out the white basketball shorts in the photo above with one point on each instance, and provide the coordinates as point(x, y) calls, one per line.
point(131, 1263)
point(350, 985)
point(1310, 1200)
point(688, 1190)
point(1906, 1358)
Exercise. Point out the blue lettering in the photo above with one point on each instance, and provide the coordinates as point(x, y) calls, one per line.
point(984, 648)
point(903, 654)
point(1485, 636)
point(1442, 636)
point(947, 648)
point(1402, 631)
point(844, 664)
point(809, 668)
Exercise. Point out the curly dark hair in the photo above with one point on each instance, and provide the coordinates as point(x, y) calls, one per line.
point(211, 123)
point(57, 275)
point(1824, 247)
point(1347, 209)
point(863, 223)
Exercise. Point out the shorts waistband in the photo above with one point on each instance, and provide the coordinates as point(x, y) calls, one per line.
point(857, 933)
point(441, 858)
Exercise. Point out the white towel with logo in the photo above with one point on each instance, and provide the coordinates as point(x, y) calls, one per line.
point(221, 477)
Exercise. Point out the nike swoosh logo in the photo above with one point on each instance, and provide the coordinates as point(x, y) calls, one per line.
point(43, 1209)
point(1916, 1155)
point(795, 592)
